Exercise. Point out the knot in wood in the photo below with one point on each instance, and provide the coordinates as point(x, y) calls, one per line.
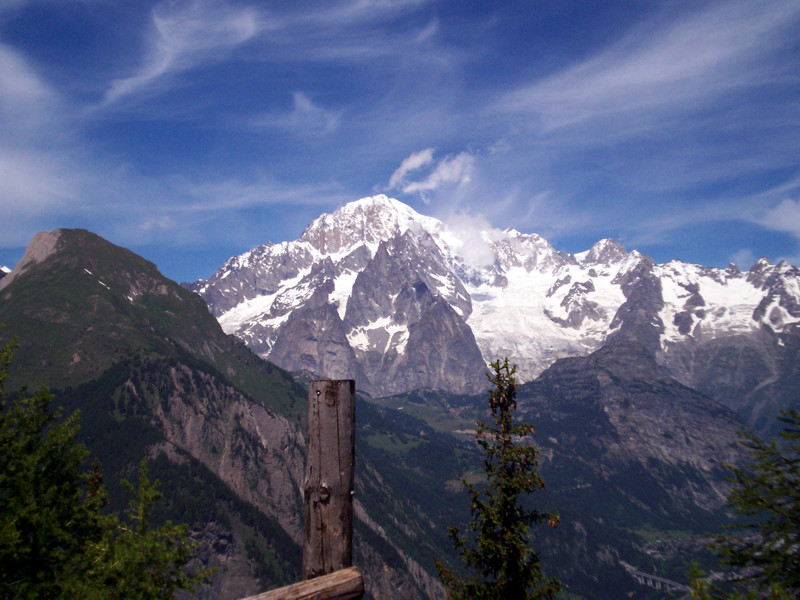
point(330, 396)
point(324, 493)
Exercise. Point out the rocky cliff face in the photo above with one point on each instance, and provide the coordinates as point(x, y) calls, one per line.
point(515, 294)
point(622, 412)
point(261, 456)
point(403, 332)
point(626, 449)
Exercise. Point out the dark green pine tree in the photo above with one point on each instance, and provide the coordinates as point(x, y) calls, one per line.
point(55, 540)
point(766, 552)
point(45, 522)
point(499, 561)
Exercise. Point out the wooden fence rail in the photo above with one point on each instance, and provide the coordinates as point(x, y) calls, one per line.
point(345, 584)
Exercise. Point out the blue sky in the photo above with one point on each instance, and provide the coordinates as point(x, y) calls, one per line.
point(193, 130)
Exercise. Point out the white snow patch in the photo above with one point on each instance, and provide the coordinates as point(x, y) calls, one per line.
point(246, 311)
point(254, 309)
point(446, 286)
point(792, 286)
point(728, 302)
point(342, 289)
point(398, 338)
point(358, 339)
point(367, 337)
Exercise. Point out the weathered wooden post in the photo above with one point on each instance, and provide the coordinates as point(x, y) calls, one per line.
point(328, 486)
point(328, 495)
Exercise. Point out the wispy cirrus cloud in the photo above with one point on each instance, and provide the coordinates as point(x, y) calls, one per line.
point(664, 129)
point(183, 36)
point(672, 117)
point(305, 118)
point(685, 99)
point(657, 71)
point(28, 105)
point(784, 216)
point(38, 175)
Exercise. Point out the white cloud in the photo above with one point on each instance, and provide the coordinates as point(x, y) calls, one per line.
point(784, 216)
point(28, 106)
point(350, 13)
point(456, 169)
point(473, 235)
point(310, 116)
point(40, 170)
point(183, 36)
point(305, 118)
point(19, 85)
point(163, 222)
point(743, 258)
point(33, 181)
point(412, 163)
point(211, 196)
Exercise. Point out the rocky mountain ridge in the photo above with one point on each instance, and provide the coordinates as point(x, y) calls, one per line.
point(362, 288)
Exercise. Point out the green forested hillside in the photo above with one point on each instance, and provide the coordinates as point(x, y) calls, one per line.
point(89, 304)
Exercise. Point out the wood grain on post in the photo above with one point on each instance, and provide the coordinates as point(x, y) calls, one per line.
point(347, 584)
point(328, 486)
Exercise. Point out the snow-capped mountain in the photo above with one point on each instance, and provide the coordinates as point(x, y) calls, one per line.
point(400, 301)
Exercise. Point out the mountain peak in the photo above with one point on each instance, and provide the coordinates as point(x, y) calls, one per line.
point(40, 247)
point(606, 251)
point(75, 282)
point(369, 220)
point(733, 269)
point(761, 265)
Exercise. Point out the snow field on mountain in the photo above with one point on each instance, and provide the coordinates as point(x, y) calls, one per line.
point(510, 320)
point(727, 303)
point(380, 335)
point(343, 288)
point(257, 309)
